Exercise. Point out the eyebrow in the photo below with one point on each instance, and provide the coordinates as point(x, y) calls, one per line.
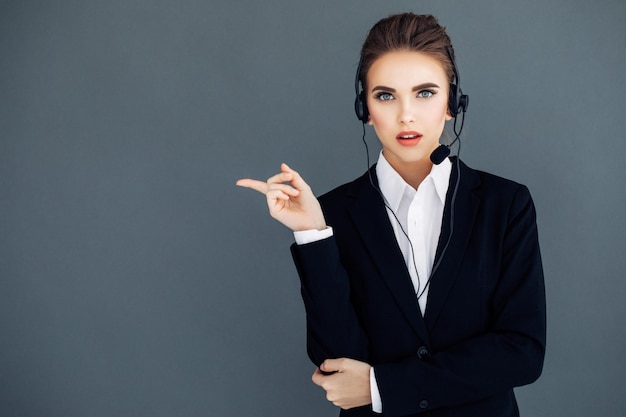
point(416, 88)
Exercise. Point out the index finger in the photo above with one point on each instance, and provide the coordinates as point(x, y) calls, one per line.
point(257, 185)
point(331, 365)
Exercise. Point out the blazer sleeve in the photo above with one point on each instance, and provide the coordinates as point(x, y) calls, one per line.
point(333, 329)
point(508, 354)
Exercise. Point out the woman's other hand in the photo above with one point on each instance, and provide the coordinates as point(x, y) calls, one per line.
point(348, 385)
point(290, 200)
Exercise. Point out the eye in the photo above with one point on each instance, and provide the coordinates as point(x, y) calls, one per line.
point(382, 96)
point(426, 94)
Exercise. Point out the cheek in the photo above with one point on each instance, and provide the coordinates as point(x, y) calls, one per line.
point(380, 123)
point(380, 116)
point(437, 114)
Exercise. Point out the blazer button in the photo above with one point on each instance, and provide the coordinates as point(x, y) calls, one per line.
point(423, 352)
point(423, 404)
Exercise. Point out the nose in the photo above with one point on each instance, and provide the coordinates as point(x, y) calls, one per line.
point(407, 113)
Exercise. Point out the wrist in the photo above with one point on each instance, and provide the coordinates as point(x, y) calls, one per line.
point(316, 225)
point(321, 226)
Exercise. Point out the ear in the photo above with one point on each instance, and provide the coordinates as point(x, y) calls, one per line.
point(448, 115)
point(369, 121)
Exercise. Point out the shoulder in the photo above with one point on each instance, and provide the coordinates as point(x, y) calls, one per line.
point(497, 195)
point(347, 192)
point(338, 203)
point(488, 185)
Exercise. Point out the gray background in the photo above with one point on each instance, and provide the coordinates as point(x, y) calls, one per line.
point(137, 280)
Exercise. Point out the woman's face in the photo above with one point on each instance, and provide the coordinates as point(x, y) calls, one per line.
point(407, 98)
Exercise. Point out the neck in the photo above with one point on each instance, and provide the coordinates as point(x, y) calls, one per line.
point(413, 173)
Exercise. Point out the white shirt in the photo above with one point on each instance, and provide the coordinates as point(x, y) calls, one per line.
point(419, 213)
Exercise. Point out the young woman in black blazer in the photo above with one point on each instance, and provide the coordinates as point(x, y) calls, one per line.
point(422, 281)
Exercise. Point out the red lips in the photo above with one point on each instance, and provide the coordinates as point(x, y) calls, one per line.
point(409, 138)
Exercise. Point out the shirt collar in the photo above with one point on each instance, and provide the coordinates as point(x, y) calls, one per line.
point(393, 186)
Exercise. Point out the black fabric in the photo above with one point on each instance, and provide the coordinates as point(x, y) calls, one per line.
point(484, 327)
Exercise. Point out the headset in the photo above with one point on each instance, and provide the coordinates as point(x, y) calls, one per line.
point(457, 101)
point(457, 105)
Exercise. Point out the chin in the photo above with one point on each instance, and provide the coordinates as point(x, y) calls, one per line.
point(418, 159)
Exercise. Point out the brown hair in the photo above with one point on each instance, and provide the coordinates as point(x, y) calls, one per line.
point(406, 32)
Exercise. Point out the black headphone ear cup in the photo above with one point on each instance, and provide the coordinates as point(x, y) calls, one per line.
point(453, 100)
point(360, 107)
point(463, 102)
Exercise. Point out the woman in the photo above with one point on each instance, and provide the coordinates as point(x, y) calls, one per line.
point(422, 282)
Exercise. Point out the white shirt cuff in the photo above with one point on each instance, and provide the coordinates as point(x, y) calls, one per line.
point(377, 402)
point(309, 236)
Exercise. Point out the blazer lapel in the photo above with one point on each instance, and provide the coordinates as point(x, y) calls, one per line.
point(372, 222)
point(466, 207)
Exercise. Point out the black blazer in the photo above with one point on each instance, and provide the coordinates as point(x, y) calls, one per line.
point(484, 328)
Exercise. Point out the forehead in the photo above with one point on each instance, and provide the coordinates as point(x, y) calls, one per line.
point(406, 68)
